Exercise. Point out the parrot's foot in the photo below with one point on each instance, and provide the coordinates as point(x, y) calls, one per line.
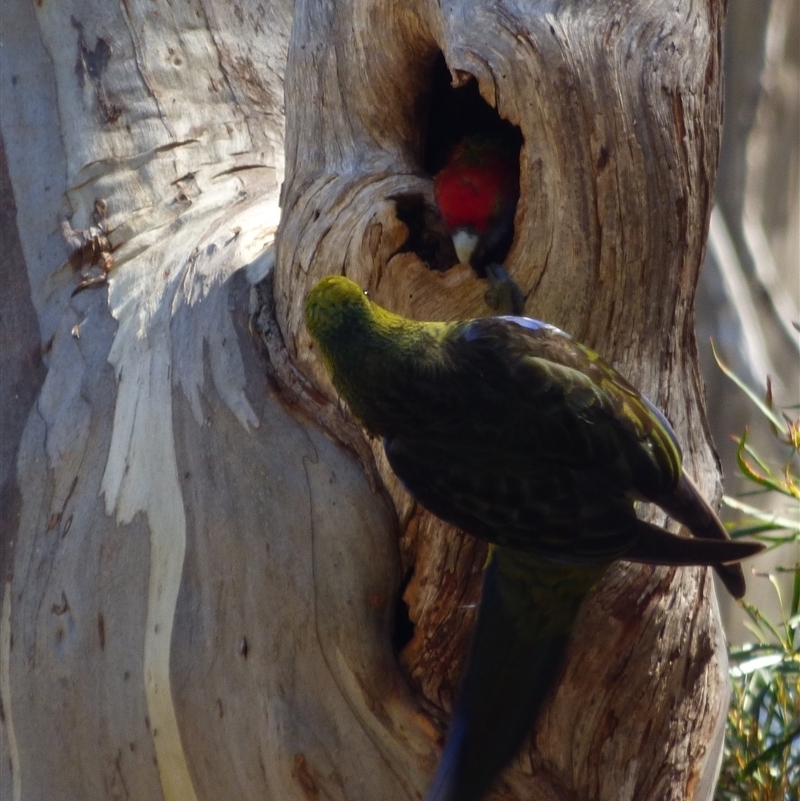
point(503, 294)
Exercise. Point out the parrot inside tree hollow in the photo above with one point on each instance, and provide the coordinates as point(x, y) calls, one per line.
point(510, 430)
point(477, 192)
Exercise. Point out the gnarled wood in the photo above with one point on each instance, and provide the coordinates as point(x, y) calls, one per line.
point(203, 584)
point(619, 108)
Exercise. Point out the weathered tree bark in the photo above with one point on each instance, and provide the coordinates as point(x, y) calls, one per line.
point(619, 108)
point(200, 583)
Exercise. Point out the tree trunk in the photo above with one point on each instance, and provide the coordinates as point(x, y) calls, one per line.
point(202, 553)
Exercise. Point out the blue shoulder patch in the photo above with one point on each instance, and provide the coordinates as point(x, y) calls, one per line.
point(661, 417)
point(533, 325)
point(476, 329)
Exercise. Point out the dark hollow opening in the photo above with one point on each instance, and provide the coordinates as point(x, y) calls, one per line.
point(403, 627)
point(452, 115)
point(457, 113)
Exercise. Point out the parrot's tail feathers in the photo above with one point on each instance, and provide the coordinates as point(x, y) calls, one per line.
point(732, 576)
point(658, 546)
point(445, 781)
point(655, 545)
point(527, 611)
point(686, 505)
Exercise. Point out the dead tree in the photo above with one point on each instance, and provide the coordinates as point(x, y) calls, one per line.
point(206, 563)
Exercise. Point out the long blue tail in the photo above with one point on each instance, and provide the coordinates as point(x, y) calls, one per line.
point(527, 612)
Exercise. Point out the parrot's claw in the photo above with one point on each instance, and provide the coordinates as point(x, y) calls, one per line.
point(503, 294)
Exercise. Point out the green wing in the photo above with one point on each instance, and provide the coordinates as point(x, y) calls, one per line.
point(602, 419)
point(527, 439)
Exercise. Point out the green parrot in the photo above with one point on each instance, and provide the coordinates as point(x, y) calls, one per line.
point(510, 430)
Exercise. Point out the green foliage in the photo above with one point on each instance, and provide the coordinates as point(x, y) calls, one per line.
point(762, 740)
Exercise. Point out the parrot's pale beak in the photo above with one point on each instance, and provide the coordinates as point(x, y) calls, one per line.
point(465, 240)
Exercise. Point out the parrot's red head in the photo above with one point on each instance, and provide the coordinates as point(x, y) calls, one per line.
point(477, 193)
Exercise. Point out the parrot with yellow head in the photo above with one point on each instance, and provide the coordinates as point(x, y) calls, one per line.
point(510, 430)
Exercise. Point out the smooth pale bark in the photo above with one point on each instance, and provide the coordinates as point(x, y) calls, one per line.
point(199, 583)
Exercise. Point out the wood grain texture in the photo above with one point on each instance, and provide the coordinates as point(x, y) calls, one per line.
point(619, 106)
point(204, 577)
point(202, 588)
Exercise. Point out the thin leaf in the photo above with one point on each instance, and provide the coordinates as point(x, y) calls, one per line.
point(760, 531)
point(772, 752)
point(768, 404)
point(791, 486)
point(758, 663)
point(749, 650)
point(762, 480)
point(758, 514)
point(763, 408)
point(764, 623)
point(755, 624)
point(753, 454)
point(777, 587)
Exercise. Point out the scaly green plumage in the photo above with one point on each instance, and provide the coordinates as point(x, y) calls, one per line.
point(512, 431)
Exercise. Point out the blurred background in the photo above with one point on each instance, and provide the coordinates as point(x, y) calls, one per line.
point(749, 292)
